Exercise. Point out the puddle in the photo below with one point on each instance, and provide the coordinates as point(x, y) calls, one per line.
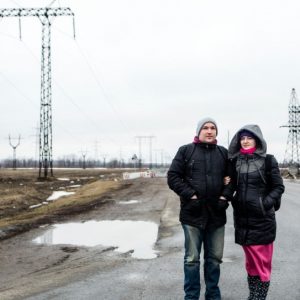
point(129, 202)
point(75, 186)
point(63, 179)
point(57, 194)
point(137, 237)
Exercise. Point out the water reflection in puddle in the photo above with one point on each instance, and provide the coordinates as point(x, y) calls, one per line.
point(129, 202)
point(136, 236)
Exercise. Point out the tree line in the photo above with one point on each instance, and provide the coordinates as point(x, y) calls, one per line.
point(79, 163)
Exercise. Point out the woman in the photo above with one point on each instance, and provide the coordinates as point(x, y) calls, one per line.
point(257, 191)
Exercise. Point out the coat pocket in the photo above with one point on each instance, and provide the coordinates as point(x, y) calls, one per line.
point(262, 206)
point(192, 206)
point(255, 207)
point(222, 204)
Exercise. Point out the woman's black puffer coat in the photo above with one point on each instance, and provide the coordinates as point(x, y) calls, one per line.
point(253, 202)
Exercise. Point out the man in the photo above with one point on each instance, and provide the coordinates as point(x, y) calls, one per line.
point(196, 174)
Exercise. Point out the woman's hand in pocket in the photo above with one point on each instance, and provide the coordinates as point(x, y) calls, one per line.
point(226, 180)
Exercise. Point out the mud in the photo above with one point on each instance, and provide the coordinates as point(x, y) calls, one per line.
point(21, 190)
point(28, 268)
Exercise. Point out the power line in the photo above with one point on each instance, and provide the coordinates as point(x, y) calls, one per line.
point(68, 97)
point(44, 14)
point(15, 2)
point(97, 80)
point(17, 89)
point(100, 85)
point(51, 3)
point(64, 93)
point(140, 158)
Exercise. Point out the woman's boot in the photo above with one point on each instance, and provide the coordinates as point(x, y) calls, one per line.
point(262, 290)
point(252, 284)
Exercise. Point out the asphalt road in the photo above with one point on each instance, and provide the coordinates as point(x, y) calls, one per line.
point(162, 277)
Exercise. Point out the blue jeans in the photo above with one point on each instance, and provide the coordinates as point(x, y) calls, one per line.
point(213, 242)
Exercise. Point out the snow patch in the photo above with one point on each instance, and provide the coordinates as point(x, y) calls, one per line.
point(36, 205)
point(57, 194)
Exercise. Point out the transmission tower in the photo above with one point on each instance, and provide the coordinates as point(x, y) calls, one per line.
point(45, 15)
point(83, 154)
point(140, 138)
point(14, 151)
point(161, 151)
point(291, 156)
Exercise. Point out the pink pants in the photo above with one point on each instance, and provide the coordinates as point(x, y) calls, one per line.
point(259, 260)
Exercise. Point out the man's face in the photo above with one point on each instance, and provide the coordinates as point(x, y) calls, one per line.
point(208, 133)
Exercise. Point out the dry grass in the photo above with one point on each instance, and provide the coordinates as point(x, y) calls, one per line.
point(84, 196)
point(20, 190)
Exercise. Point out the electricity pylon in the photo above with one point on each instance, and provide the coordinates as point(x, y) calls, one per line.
point(149, 137)
point(14, 151)
point(291, 156)
point(83, 154)
point(45, 15)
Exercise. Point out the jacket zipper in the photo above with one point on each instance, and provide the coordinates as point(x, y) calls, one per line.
point(262, 206)
point(245, 195)
point(192, 167)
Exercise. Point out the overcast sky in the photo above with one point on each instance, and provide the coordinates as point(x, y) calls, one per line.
point(150, 68)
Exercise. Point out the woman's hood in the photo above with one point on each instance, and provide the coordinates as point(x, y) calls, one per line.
point(261, 147)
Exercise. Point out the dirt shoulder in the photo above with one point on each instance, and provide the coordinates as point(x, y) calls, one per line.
point(24, 204)
point(30, 269)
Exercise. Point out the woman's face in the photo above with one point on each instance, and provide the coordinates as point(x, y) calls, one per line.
point(247, 142)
